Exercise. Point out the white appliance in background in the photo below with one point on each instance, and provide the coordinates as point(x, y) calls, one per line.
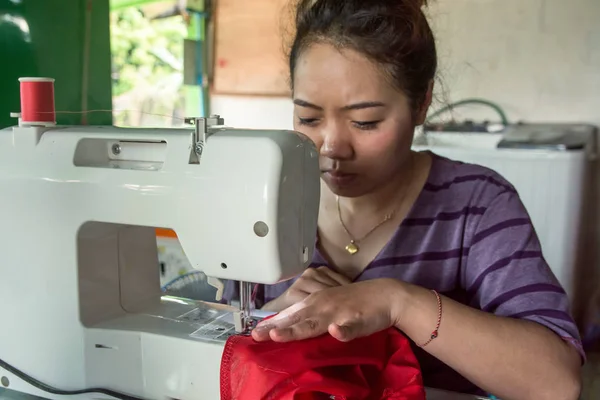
point(549, 165)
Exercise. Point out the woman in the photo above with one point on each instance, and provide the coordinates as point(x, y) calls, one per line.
point(443, 251)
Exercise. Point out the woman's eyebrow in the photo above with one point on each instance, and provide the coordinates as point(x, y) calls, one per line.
point(364, 104)
point(304, 103)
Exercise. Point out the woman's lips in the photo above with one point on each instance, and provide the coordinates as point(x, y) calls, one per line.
point(339, 178)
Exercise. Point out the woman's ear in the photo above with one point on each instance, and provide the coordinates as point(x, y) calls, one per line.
point(422, 113)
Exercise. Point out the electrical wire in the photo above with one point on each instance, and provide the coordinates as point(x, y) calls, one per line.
point(494, 106)
point(49, 389)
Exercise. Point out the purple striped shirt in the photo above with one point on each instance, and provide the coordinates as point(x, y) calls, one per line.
point(469, 237)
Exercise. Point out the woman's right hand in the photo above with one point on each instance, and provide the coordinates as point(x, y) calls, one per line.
point(311, 281)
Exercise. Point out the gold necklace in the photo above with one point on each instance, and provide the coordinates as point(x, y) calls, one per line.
point(352, 247)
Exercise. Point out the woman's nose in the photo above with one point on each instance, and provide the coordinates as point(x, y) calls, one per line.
point(337, 144)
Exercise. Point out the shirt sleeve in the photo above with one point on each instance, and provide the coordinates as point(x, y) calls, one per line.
point(231, 292)
point(506, 273)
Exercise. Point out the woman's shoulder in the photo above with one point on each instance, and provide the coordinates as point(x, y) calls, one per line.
point(466, 183)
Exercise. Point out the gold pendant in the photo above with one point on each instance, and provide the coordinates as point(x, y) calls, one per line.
point(352, 248)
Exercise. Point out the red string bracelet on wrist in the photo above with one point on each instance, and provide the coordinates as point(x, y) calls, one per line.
point(434, 334)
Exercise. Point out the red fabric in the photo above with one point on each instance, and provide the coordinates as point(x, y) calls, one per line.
point(378, 367)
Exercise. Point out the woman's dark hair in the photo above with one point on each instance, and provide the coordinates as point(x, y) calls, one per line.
point(395, 34)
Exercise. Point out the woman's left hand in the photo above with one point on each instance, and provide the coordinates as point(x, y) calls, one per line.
point(346, 312)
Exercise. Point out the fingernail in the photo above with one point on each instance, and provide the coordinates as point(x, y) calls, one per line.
point(265, 327)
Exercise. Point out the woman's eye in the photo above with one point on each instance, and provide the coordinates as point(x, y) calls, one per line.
point(366, 125)
point(308, 121)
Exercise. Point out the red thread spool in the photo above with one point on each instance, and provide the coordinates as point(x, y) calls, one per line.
point(37, 101)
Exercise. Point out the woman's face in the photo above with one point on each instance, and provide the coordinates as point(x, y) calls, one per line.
point(362, 126)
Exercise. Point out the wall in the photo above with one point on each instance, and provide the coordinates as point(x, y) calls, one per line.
point(539, 59)
point(254, 112)
point(48, 38)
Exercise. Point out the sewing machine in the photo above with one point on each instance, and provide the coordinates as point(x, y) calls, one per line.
point(80, 300)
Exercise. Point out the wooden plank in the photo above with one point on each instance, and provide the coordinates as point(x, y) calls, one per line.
point(250, 47)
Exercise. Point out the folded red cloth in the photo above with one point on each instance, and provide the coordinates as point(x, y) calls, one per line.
point(377, 367)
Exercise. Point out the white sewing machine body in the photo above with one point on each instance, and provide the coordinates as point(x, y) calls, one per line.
point(80, 297)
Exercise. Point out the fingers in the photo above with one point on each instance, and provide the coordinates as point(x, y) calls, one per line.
point(288, 317)
point(309, 285)
point(345, 332)
point(320, 275)
point(312, 280)
point(306, 329)
point(295, 323)
point(262, 332)
point(311, 314)
point(337, 277)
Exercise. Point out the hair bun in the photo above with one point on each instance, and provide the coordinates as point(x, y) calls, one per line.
point(393, 34)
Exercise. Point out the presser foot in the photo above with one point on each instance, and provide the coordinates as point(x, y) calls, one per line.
point(245, 324)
